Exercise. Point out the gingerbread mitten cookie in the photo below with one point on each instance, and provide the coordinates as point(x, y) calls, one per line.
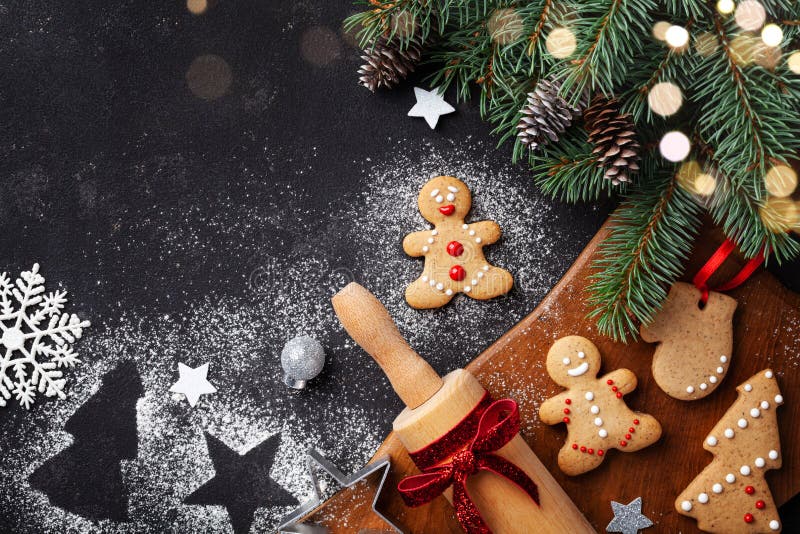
point(453, 250)
point(695, 344)
point(731, 495)
point(596, 416)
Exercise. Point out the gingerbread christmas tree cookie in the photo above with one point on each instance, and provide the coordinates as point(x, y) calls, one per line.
point(453, 249)
point(593, 409)
point(731, 495)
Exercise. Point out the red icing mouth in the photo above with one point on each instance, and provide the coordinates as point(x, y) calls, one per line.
point(447, 210)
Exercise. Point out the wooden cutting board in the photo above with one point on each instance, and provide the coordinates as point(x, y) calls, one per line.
point(766, 334)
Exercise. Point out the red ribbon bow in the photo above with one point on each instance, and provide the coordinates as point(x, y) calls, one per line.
point(498, 425)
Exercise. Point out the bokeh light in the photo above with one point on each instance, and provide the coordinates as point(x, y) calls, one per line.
point(687, 174)
point(209, 77)
point(772, 35)
point(781, 181)
point(677, 36)
point(706, 44)
point(745, 49)
point(665, 98)
point(505, 26)
point(780, 215)
point(793, 62)
point(750, 15)
point(705, 184)
point(320, 46)
point(675, 146)
point(726, 7)
point(561, 43)
point(660, 30)
point(197, 7)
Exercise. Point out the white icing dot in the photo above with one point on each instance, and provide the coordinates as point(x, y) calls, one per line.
point(425, 248)
point(755, 412)
point(745, 470)
point(439, 199)
point(430, 240)
point(711, 440)
point(589, 395)
point(690, 389)
point(729, 478)
point(748, 388)
point(448, 292)
point(485, 267)
point(440, 286)
point(768, 374)
point(778, 399)
point(728, 433)
point(603, 433)
point(760, 462)
point(467, 289)
point(712, 379)
point(764, 405)
point(598, 421)
point(478, 240)
point(686, 506)
point(720, 370)
point(474, 282)
point(472, 232)
point(717, 488)
point(432, 282)
point(723, 359)
point(773, 455)
point(742, 423)
point(451, 197)
point(434, 232)
point(704, 386)
point(464, 226)
point(595, 409)
point(581, 355)
point(775, 524)
point(480, 274)
point(566, 361)
point(434, 192)
point(424, 278)
point(702, 498)
point(452, 188)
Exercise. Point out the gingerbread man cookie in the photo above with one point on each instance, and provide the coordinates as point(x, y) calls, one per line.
point(453, 249)
point(596, 416)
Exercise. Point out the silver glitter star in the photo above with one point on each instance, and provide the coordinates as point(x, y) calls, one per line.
point(628, 518)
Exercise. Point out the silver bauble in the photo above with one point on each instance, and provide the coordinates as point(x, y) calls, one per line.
point(302, 358)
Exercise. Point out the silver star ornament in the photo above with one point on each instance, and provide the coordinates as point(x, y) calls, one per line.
point(628, 518)
point(430, 105)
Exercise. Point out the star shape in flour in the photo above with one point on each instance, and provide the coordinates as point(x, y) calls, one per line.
point(193, 383)
point(241, 482)
point(431, 105)
point(628, 518)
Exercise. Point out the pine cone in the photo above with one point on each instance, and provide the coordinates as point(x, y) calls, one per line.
point(613, 135)
point(387, 63)
point(545, 116)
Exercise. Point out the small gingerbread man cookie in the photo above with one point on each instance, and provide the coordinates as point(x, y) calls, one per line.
point(596, 416)
point(453, 250)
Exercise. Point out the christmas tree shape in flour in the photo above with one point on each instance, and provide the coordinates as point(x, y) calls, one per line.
point(731, 495)
point(86, 477)
point(453, 250)
point(593, 409)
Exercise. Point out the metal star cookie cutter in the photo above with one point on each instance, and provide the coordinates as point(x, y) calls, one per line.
point(292, 523)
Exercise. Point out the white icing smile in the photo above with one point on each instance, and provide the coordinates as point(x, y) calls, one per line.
point(578, 371)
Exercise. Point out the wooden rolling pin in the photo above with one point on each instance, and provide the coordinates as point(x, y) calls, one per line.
point(434, 405)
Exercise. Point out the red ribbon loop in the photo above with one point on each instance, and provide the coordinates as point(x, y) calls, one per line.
point(715, 262)
point(498, 425)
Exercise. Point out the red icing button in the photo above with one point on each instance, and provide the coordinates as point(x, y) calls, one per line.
point(760, 505)
point(619, 394)
point(614, 388)
point(447, 210)
point(454, 248)
point(575, 446)
point(568, 401)
point(457, 273)
point(627, 436)
point(623, 443)
point(566, 411)
point(749, 490)
point(590, 451)
point(566, 419)
point(609, 381)
point(635, 421)
point(583, 449)
point(600, 452)
point(748, 518)
point(631, 430)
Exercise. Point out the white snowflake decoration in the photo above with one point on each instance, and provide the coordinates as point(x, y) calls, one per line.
point(23, 309)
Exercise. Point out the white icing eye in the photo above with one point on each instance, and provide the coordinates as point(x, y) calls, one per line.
point(768, 374)
point(478, 240)
point(598, 421)
point(748, 387)
point(439, 199)
point(566, 361)
point(451, 197)
point(440, 286)
point(760, 462)
point(581, 355)
point(729, 478)
point(603, 433)
point(773, 455)
point(430, 240)
point(755, 412)
point(472, 232)
point(720, 370)
point(448, 292)
point(774, 525)
point(689, 389)
point(589, 395)
point(717, 488)
point(464, 226)
point(745, 470)
point(425, 248)
point(723, 359)
point(704, 386)
point(711, 440)
point(742, 423)
point(712, 379)
point(729, 433)
point(778, 399)
point(764, 405)
point(595, 409)
point(702, 498)
point(434, 193)
point(686, 506)
point(452, 189)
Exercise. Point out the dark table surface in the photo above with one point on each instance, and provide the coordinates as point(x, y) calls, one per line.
point(201, 185)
